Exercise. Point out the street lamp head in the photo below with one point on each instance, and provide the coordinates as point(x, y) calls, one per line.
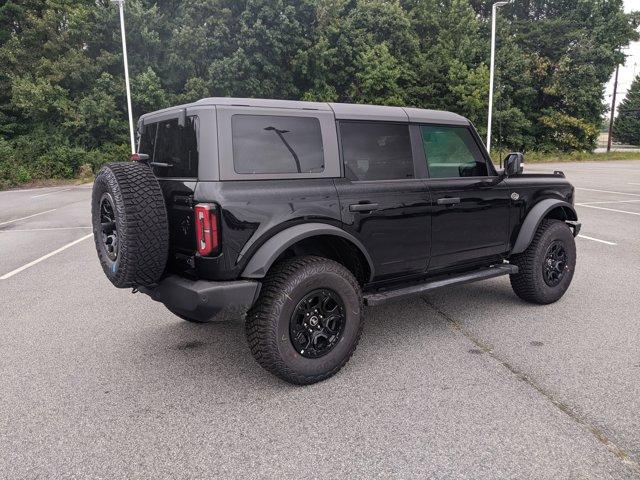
point(274, 129)
point(495, 5)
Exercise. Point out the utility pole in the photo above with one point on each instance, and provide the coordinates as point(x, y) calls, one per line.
point(126, 74)
point(494, 12)
point(613, 108)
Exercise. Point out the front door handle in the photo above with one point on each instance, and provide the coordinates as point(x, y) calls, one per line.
point(449, 201)
point(363, 207)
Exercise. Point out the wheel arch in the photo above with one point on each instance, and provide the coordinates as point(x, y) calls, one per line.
point(548, 208)
point(312, 238)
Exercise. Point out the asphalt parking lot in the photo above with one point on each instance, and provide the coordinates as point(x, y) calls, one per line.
point(464, 383)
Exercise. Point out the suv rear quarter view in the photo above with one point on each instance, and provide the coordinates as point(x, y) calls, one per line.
point(301, 213)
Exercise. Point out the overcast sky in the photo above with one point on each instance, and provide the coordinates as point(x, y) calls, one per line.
point(631, 68)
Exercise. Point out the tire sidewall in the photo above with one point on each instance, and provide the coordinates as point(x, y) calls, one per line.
point(312, 278)
point(555, 231)
point(106, 182)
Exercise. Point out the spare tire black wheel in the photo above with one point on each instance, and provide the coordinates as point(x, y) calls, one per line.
point(130, 225)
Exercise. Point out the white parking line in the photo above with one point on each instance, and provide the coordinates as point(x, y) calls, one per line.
point(42, 229)
point(608, 191)
point(52, 193)
point(608, 209)
point(29, 216)
point(48, 255)
point(27, 190)
point(632, 183)
point(597, 240)
point(608, 201)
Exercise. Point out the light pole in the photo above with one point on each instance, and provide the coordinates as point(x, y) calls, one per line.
point(494, 12)
point(613, 108)
point(126, 73)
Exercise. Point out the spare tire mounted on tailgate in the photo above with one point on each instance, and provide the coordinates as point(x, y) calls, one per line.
point(130, 225)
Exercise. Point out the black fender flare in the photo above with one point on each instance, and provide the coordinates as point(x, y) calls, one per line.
point(535, 216)
point(269, 252)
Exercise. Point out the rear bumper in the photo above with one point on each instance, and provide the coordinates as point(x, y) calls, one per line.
point(201, 299)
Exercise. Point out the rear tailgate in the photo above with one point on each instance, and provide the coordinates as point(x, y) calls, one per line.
point(178, 196)
point(172, 147)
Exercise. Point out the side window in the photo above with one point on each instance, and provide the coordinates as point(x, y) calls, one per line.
point(174, 145)
point(276, 144)
point(376, 151)
point(452, 152)
point(148, 139)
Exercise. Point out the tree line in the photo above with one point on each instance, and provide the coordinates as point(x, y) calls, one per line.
point(626, 128)
point(63, 105)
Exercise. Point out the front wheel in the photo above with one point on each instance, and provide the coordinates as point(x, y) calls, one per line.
point(546, 267)
point(307, 321)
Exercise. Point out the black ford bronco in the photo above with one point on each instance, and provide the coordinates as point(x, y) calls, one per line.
point(300, 213)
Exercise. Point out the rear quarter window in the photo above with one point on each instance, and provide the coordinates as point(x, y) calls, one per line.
point(173, 147)
point(264, 144)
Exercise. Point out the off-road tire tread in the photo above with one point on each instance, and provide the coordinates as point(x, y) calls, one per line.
point(524, 283)
point(262, 319)
point(143, 233)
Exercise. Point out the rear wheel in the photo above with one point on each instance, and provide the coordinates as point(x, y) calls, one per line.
point(546, 267)
point(307, 321)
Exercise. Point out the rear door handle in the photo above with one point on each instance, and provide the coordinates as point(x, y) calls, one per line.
point(448, 201)
point(363, 207)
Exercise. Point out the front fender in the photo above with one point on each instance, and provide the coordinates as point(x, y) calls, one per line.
point(269, 252)
point(535, 216)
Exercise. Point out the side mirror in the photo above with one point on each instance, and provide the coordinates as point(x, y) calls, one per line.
point(513, 164)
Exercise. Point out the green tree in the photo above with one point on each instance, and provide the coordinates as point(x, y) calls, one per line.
point(377, 78)
point(355, 44)
point(271, 34)
point(62, 97)
point(626, 128)
point(571, 48)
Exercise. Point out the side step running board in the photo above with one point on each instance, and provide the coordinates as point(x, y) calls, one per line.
point(494, 271)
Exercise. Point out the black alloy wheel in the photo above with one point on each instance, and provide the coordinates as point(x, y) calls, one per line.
point(317, 323)
point(108, 227)
point(555, 263)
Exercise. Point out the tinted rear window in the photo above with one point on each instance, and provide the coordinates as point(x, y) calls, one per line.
point(169, 143)
point(276, 144)
point(376, 151)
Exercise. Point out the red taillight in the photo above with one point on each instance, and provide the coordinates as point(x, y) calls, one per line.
point(207, 236)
